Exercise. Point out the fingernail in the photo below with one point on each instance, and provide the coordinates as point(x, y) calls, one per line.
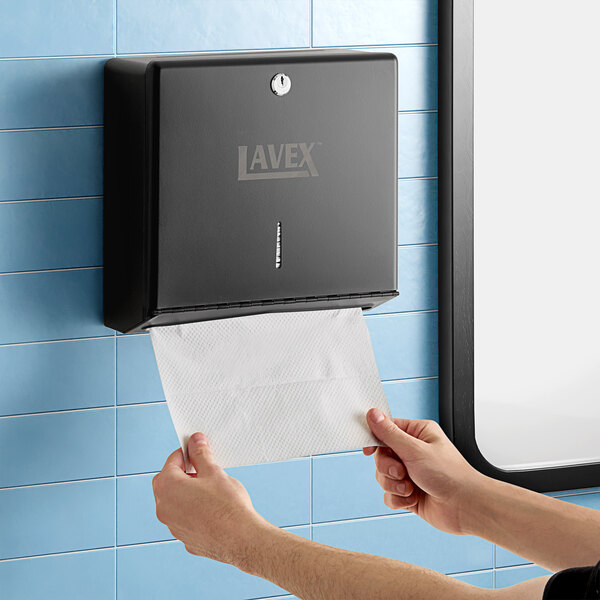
point(199, 439)
point(377, 416)
point(394, 472)
point(401, 487)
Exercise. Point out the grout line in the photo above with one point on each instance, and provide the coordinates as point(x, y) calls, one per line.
point(400, 515)
point(49, 199)
point(50, 270)
point(60, 127)
point(312, 23)
point(212, 51)
point(311, 496)
point(58, 412)
point(50, 554)
point(58, 56)
point(433, 177)
point(494, 566)
point(411, 45)
point(407, 312)
point(418, 112)
point(48, 483)
point(417, 245)
point(83, 339)
point(115, 465)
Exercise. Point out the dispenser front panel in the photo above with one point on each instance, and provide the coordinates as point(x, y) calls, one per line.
point(275, 179)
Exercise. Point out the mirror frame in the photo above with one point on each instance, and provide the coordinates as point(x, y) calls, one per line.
point(455, 223)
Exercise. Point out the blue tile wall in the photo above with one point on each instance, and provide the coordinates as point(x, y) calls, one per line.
point(88, 575)
point(38, 28)
point(51, 163)
point(50, 235)
point(83, 422)
point(157, 26)
point(57, 376)
point(53, 305)
point(56, 518)
point(39, 448)
point(138, 380)
point(51, 93)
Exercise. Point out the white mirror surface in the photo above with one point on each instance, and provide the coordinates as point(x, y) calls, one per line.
point(537, 232)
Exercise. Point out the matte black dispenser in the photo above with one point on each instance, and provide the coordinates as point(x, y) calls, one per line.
point(245, 183)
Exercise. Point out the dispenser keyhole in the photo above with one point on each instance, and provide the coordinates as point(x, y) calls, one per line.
point(281, 84)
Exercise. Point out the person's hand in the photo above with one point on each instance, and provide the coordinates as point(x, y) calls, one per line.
point(210, 512)
point(422, 471)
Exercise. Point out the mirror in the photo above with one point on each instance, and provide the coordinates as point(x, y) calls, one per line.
point(519, 239)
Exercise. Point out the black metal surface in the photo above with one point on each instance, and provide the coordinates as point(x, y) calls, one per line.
point(326, 170)
point(457, 401)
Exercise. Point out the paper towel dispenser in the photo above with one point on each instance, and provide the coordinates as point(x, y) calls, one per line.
point(244, 183)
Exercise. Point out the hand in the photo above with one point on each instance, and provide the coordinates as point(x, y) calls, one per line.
point(210, 512)
point(422, 471)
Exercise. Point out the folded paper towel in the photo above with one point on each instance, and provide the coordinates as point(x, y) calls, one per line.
point(271, 387)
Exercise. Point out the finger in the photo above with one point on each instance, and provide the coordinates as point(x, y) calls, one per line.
point(403, 444)
point(175, 460)
point(393, 486)
point(389, 465)
point(200, 455)
point(421, 429)
point(399, 503)
point(369, 450)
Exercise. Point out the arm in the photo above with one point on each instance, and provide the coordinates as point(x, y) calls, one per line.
point(213, 515)
point(440, 486)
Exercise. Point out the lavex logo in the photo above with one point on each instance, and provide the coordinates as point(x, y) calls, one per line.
point(285, 161)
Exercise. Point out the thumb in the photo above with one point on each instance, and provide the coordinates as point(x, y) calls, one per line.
point(383, 428)
point(200, 454)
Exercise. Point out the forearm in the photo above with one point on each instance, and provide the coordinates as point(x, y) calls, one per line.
point(313, 571)
point(544, 530)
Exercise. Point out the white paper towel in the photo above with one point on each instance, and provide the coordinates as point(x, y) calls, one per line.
point(271, 387)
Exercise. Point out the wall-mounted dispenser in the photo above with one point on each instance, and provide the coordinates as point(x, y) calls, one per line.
point(245, 183)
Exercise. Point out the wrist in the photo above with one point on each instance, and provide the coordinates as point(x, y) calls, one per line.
point(476, 503)
point(259, 538)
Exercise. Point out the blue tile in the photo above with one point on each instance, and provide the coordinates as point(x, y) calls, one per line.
point(54, 163)
point(417, 211)
point(50, 235)
point(88, 575)
point(57, 376)
point(508, 577)
point(157, 26)
point(137, 373)
point(136, 512)
point(586, 500)
point(504, 558)
point(344, 487)
point(367, 22)
point(417, 77)
point(413, 399)
point(145, 437)
point(57, 447)
point(482, 580)
point(405, 345)
point(51, 306)
point(417, 145)
point(166, 570)
point(428, 547)
point(41, 28)
point(57, 518)
point(51, 92)
point(280, 492)
point(417, 281)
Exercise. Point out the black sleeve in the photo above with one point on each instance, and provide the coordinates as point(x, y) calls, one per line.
point(579, 583)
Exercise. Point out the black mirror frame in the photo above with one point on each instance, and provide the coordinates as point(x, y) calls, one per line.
point(455, 218)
